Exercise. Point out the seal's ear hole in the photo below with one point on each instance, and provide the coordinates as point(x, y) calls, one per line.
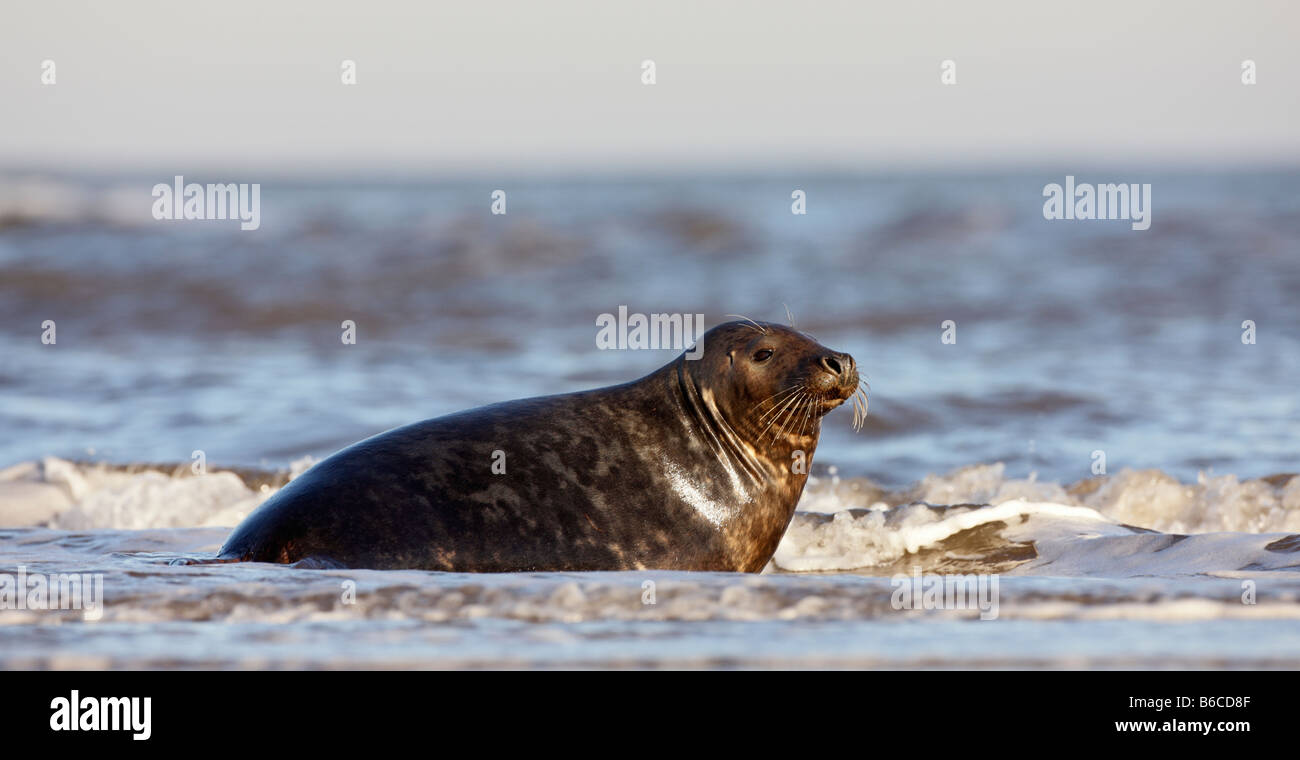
point(762, 354)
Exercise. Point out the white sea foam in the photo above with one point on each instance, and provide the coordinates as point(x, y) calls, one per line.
point(60, 494)
point(1147, 499)
point(859, 539)
point(1115, 527)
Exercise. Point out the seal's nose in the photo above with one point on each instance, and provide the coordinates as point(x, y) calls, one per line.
point(839, 365)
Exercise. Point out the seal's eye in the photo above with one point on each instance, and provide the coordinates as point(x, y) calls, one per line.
point(763, 355)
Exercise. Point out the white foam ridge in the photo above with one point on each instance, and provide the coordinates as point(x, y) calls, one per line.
point(1117, 526)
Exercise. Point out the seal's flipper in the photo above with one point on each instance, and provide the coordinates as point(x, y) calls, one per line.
point(203, 561)
point(314, 562)
point(318, 562)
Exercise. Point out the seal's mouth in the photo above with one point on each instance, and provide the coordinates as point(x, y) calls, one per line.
point(837, 395)
point(836, 381)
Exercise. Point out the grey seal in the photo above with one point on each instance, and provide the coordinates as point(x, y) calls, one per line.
point(696, 466)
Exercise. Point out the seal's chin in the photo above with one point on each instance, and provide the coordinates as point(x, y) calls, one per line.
point(831, 402)
point(833, 395)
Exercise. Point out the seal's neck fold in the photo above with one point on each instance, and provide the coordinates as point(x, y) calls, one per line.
point(701, 410)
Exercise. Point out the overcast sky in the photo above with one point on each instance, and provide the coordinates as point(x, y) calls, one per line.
point(556, 85)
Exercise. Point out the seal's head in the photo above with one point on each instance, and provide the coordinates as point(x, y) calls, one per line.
point(771, 382)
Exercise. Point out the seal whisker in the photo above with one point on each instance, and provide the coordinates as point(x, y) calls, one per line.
point(777, 406)
point(756, 325)
point(806, 410)
point(793, 399)
point(783, 390)
point(788, 417)
point(780, 416)
point(776, 409)
point(784, 406)
point(774, 395)
point(859, 408)
point(807, 416)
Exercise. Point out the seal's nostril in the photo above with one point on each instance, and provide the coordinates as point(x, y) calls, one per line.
point(832, 364)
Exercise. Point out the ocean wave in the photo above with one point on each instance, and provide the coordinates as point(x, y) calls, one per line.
point(973, 520)
point(148, 587)
point(1132, 523)
point(1022, 537)
point(1148, 499)
point(62, 494)
point(27, 200)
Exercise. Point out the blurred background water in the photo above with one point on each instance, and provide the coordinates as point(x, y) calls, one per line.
point(1072, 336)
